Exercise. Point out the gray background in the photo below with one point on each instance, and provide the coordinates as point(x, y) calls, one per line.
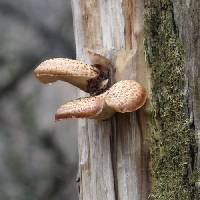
point(38, 157)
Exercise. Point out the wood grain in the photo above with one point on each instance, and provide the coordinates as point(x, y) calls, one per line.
point(113, 154)
point(187, 18)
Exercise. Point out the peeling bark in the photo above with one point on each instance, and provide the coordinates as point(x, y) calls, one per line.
point(187, 17)
point(171, 47)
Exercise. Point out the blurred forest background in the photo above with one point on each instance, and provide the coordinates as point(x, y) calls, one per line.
point(38, 157)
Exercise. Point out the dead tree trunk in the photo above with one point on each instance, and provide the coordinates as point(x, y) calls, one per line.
point(114, 154)
point(187, 18)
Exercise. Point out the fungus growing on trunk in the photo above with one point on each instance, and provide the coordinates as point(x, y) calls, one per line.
point(123, 96)
point(126, 96)
point(86, 77)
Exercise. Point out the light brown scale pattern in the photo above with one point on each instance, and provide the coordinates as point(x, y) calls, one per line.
point(67, 67)
point(87, 107)
point(123, 96)
point(126, 96)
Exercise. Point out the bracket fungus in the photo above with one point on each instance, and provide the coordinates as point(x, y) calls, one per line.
point(123, 96)
point(87, 77)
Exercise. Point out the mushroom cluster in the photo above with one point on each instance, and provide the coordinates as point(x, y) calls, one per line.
point(123, 96)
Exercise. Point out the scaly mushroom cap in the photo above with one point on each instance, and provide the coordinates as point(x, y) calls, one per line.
point(126, 96)
point(87, 107)
point(72, 71)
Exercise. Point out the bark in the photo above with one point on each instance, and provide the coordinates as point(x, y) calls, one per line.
point(172, 51)
point(187, 16)
point(114, 154)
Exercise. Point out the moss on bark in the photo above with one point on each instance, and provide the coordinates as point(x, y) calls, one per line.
point(171, 137)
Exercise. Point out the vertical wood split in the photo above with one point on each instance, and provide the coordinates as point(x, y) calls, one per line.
point(114, 153)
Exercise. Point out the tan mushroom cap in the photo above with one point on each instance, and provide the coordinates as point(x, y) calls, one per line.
point(126, 96)
point(72, 71)
point(87, 107)
point(80, 108)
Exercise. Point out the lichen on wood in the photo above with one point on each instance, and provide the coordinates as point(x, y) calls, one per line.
point(171, 137)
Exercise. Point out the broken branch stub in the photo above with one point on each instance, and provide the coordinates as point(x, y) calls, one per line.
point(98, 60)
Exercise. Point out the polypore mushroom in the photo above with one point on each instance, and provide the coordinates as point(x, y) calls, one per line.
point(87, 77)
point(124, 96)
point(88, 107)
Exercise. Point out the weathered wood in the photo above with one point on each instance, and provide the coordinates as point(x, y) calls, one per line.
point(113, 154)
point(172, 47)
point(187, 16)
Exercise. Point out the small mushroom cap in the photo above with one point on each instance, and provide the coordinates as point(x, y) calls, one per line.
point(126, 96)
point(87, 107)
point(72, 71)
point(80, 108)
